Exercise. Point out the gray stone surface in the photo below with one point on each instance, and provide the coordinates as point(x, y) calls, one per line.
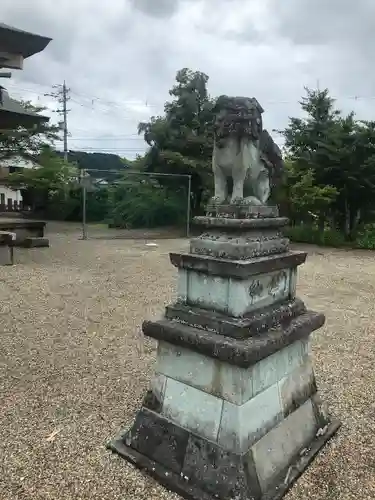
point(293, 283)
point(23, 228)
point(192, 409)
point(242, 425)
point(240, 248)
point(210, 292)
point(182, 285)
point(257, 292)
point(154, 398)
point(6, 255)
point(200, 470)
point(237, 269)
point(277, 449)
point(229, 224)
point(241, 211)
point(233, 296)
point(158, 439)
point(297, 387)
point(276, 367)
point(251, 324)
point(231, 383)
point(239, 352)
point(220, 472)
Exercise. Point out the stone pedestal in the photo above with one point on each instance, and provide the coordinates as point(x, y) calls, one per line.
point(233, 410)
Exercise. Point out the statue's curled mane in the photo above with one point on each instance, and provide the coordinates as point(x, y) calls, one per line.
point(237, 117)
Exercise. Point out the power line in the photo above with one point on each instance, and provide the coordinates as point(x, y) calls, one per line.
point(148, 104)
point(115, 138)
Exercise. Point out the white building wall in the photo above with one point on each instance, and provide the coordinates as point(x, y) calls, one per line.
point(17, 162)
point(6, 193)
point(14, 194)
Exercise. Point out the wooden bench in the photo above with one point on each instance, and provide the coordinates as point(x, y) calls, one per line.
point(7, 240)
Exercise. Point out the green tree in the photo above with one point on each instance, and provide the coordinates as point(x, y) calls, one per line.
point(51, 177)
point(307, 202)
point(181, 141)
point(334, 151)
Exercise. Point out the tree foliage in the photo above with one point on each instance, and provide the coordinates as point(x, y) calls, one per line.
point(332, 158)
point(50, 175)
point(330, 168)
point(181, 141)
point(144, 204)
point(99, 163)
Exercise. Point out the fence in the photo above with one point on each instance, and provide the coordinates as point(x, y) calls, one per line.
point(93, 180)
point(13, 206)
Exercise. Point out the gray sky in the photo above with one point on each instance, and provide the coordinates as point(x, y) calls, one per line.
point(120, 57)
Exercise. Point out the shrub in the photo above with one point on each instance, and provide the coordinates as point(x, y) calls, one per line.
point(313, 235)
point(365, 237)
point(145, 205)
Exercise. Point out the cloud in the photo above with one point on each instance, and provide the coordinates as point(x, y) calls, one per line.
point(120, 58)
point(161, 8)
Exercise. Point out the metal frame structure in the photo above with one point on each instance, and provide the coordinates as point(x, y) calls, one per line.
point(132, 172)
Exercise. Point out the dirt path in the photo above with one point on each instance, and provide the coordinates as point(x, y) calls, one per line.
point(74, 367)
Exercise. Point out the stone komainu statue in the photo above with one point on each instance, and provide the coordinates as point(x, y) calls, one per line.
point(244, 152)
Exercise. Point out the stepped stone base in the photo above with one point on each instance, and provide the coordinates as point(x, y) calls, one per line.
point(233, 411)
point(198, 469)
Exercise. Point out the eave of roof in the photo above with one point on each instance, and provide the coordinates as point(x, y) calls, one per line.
point(13, 114)
point(21, 42)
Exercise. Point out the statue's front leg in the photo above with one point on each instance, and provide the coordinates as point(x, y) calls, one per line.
point(238, 184)
point(220, 181)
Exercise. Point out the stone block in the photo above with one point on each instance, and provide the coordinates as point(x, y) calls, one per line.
point(237, 297)
point(229, 382)
point(239, 352)
point(258, 292)
point(293, 283)
point(155, 395)
point(271, 247)
point(208, 472)
point(297, 387)
point(158, 439)
point(218, 472)
point(208, 291)
point(237, 269)
point(242, 425)
point(251, 324)
point(240, 245)
point(230, 223)
point(274, 452)
point(192, 409)
point(199, 371)
point(226, 249)
point(274, 368)
point(6, 255)
point(36, 242)
point(241, 211)
point(182, 284)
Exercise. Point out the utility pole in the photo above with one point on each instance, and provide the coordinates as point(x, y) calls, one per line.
point(65, 120)
point(61, 94)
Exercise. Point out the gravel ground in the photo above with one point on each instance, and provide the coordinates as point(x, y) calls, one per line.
point(74, 367)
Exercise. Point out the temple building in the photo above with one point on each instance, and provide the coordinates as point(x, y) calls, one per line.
point(15, 46)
